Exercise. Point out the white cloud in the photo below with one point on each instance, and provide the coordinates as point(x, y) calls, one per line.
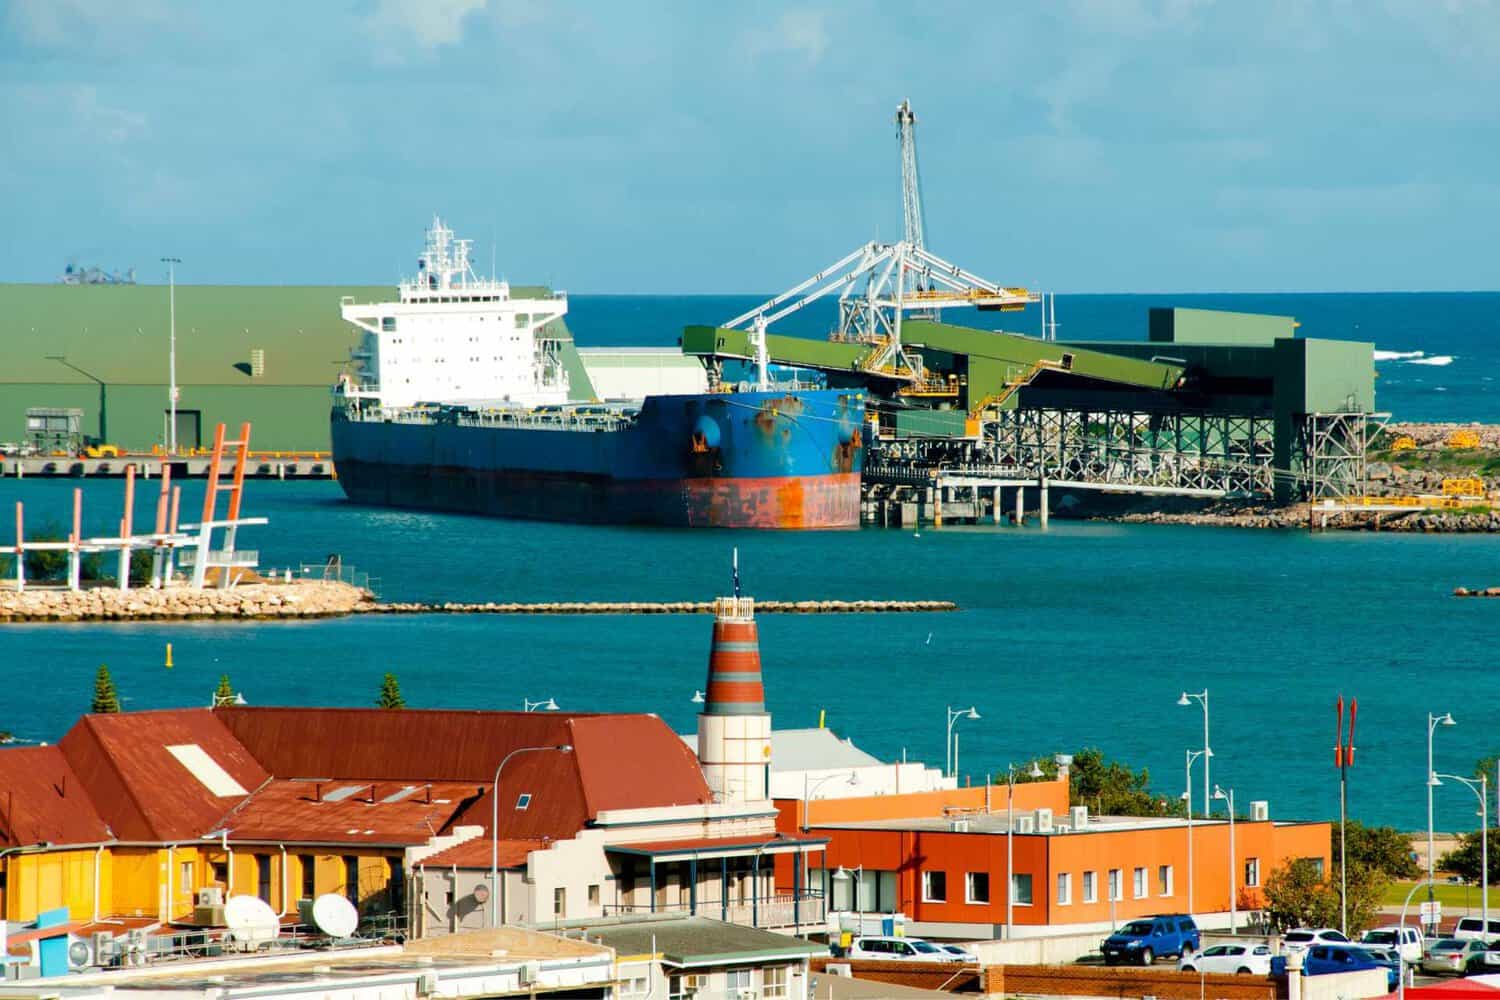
point(426, 24)
point(70, 113)
point(801, 33)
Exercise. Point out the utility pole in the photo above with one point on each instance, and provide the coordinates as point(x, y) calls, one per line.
point(1343, 759)
point(171, 263)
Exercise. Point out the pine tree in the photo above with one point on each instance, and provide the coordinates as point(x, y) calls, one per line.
point(106, 698)
point(224, 695)
point(390, 693)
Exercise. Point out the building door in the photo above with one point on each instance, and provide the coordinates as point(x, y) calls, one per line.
point(189, 428)
point(263, 877)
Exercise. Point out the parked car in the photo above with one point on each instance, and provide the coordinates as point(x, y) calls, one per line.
point(1470, 928)
point(1143, 941)
point(1492, 957)
point(1408, 939)
point(1454, 957)
point(898, 949)
point(1300, 939)
point(1322, 959)
point(960, 953)
point(1240, 958)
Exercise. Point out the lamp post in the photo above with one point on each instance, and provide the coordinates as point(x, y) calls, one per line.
point(1010, 838)
point(548, 705)
point(62, 360)
point(1400, 956)
point(807, 790)
point(1201, 697)
point(953, 716)
point(1480, 788)
point(697, 698)
point(1433, 721)
point(1219, 793)
point(858, 873)
point(495, 826)
point(1187, 796)
point(172, 263)
point(755, 878)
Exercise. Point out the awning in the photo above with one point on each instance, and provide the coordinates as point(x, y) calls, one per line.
point(722, 847)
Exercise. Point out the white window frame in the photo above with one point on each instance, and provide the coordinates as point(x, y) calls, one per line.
point(1115, 883)
point(1170, 889)
point(737, 981)
point(1140, 883)
point(1252, 871)
point(1064, 888)
point(927, 896)
point(1031, 891)
point(1091, 887)
point(775, 982)
point(969, 896)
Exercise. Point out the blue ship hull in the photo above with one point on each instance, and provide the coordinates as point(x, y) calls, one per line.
point(731, 460)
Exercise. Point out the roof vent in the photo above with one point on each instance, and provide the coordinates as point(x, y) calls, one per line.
point(257, 362)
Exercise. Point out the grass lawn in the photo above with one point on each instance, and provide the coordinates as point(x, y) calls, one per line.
point(1451, 896)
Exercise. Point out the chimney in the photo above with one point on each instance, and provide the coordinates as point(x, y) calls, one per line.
point(734, 729)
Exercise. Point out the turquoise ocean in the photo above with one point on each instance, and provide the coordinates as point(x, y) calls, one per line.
point(1083, 635)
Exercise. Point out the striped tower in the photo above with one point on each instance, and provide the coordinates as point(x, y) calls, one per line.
point(734, 728)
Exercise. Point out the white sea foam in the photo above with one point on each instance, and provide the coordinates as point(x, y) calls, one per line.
point(1437, 360)
point(1398, 355)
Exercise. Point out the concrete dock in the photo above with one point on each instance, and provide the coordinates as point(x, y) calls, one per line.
point(261, 465)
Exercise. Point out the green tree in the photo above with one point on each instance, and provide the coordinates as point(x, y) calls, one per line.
point(1465, 860)
point(1485, 767)
point(1107, 787)
point(1383, 848)
point(224, 693)
point(106, 698)
point(1298, 894)
point(390, 693)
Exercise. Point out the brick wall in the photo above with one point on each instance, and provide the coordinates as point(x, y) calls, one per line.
point(948, 976)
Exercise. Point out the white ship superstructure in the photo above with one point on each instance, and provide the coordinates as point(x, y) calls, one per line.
point(453, 337)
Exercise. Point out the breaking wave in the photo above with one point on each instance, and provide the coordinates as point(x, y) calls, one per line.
point(1437, 360)
point(1398, 355)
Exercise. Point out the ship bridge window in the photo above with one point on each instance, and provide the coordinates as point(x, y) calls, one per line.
point(388, 324)
point(522, 319)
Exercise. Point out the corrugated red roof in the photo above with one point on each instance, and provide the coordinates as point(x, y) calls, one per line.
point(41, 799)
point(476, 854)
point(140, 788)
point(341, 812)
point(617, 761)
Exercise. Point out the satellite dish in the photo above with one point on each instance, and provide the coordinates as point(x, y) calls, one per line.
point(334, 915)
point(251, 921)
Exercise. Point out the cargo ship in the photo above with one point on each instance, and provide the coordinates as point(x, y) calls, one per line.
point(457, 399)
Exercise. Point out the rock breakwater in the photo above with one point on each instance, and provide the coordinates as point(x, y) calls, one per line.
point(300, 599)
point(655, 608)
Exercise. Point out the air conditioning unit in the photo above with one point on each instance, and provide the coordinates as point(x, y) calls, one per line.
point(1026, 824)
point(959, 826)
point(840, 969)
point(1260, 811)
point(135, 948)
point(1044, 821)
point(81, 954)
point(531, 973)
point(1079, 817)
point(211, 895)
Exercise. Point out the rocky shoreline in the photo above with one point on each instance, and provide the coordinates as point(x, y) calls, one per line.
point(1416, 521)
point(330, 598)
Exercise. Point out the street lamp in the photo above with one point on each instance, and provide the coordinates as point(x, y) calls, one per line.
point(1010, 831)
point(953, 716)
point(1187, 796)
point(842, 875)
point(531, 706)
point(172, 263)
point(495, 826)
point(807, 791)
point(1481, 789)
point(755, 877)
point(698, 698)
point(62, 360)
point(1201, 697)
point(1228, 798)
point(1433, 721)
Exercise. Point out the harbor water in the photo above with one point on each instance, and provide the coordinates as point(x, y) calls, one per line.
point(1083, 635)
point(1080, 636)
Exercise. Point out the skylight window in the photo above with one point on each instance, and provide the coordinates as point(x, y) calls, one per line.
point(523, 802)
point(207, 770)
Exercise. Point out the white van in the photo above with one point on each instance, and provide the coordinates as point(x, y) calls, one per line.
point(1407, 939)
point(898, 949)
point(1472, 928)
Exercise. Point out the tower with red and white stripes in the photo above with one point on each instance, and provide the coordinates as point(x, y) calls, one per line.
point(734, 728)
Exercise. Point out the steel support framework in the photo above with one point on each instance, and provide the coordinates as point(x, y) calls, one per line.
point(1193, 452)
point(1330, 450)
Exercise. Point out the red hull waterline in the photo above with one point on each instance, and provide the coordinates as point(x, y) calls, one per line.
point(775, 502)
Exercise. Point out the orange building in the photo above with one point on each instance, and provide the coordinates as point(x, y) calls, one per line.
point(940, 859)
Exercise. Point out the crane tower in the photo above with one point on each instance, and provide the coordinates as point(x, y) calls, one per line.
point(911, 183)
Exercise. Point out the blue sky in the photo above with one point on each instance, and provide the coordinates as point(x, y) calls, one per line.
point(1180, 145)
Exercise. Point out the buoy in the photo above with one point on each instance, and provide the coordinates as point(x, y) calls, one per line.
point(169, 656)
